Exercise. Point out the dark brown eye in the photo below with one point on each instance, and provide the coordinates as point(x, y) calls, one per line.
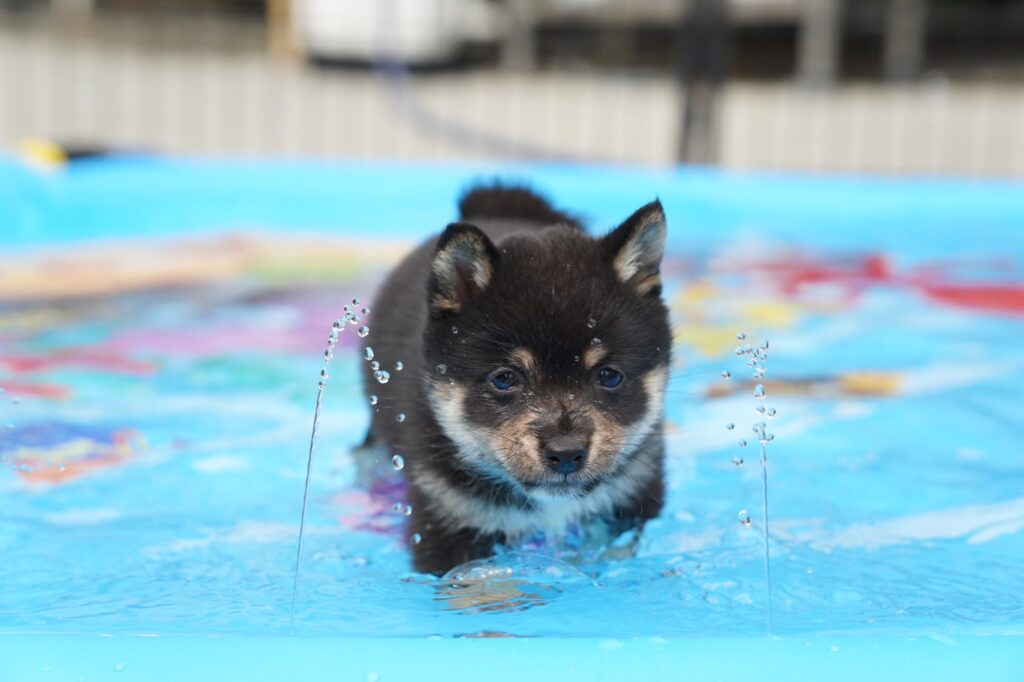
point(610, 378)
point(504, 379)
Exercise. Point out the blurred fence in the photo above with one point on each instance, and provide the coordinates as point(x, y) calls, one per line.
point(207, 83)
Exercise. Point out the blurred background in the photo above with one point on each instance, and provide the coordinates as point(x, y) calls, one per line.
point(871, 86)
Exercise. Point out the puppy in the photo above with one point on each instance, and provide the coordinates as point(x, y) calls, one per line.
point(535, 361)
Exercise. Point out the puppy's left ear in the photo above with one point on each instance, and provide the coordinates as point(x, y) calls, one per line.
point(636, 247)
point(461, 267)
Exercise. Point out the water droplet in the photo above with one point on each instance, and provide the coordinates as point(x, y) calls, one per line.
point(455, 330)
point(363, 331)
point(766, 438)
point(400, 418)
point(374, 365)
point(337, 324)
point(758, 427)
point(397, 462)
point(591, 323)
point(399, 366)
point(726, 374)
point(441, 369)
point(398, 507)
point(595, 341)
point(373, 400)
point(417, 538)
point(575, 358)
point(355, 301)
point(730, 426)
point(759, 392)
point(120, 666)
point(737, 461)
point(365, 311)
point(382, 376)
point(742, 443)
point(324, 374)
point(407, 510)
point(328, 355)
point(368, 353)
point(771, 413)
point(759, 409)
point(764, 345)
point(740, 335)
point(744, 517)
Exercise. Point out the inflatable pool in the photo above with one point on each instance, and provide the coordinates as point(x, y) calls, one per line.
point(162, 328)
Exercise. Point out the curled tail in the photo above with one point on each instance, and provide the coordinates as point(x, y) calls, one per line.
point(512, 202)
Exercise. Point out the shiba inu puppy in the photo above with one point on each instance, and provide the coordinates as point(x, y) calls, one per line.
point(535, 362)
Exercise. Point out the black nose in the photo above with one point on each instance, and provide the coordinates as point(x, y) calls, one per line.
point(565, 461)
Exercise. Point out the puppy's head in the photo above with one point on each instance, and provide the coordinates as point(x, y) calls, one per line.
point(549, 351)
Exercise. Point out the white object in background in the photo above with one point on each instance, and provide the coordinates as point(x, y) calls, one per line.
point(408, 31)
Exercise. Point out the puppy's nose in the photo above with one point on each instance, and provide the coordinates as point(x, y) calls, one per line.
point(565, 460)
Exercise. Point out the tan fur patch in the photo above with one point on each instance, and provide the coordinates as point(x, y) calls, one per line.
point(445, 304)
point(594, 355)
point(648, 284)
point(525, 358)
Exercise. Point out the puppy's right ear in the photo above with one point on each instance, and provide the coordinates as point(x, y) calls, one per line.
point(461, 267)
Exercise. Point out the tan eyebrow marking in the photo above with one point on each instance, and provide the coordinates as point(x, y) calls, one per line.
point(526, 359)
point(594, 355)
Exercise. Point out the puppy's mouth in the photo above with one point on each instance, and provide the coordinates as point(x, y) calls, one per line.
point(565, 486)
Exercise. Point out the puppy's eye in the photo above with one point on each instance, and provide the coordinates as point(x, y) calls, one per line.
point(610, 378)
point(504, 379)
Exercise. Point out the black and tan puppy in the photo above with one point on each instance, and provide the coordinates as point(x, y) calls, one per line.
point(535, 360)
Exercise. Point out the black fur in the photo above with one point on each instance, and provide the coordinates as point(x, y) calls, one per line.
point(512, 202)
point(522, 276)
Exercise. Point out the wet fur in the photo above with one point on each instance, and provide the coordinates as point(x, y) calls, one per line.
point(516, 284)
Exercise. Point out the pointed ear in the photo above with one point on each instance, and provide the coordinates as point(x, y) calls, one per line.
point(635, 249)
point(461, 267)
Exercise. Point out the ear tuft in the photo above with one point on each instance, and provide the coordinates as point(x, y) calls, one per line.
point(461, 267)
point(636, 247)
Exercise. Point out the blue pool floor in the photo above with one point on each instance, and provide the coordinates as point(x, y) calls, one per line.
point(162, 325)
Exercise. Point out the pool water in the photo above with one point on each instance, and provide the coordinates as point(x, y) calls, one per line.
point(162, 325)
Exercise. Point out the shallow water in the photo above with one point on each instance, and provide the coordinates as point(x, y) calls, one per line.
point(153, 469)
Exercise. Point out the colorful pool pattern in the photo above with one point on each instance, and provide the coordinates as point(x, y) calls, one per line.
point(162, 326)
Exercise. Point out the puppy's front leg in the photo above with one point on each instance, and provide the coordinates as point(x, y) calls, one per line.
point(440, 549)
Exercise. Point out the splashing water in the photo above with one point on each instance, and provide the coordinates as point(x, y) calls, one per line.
point(761, 355)
point(758, 360)
point(332, 341)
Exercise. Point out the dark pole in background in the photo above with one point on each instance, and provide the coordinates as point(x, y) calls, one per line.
point(702, 49)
